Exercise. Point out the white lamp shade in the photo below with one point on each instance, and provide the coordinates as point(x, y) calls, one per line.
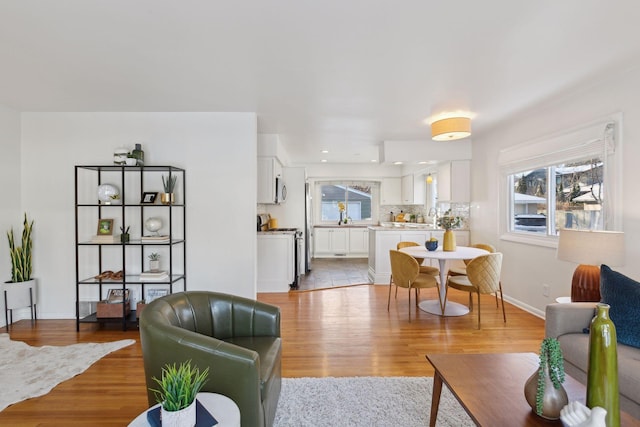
point(591, 247)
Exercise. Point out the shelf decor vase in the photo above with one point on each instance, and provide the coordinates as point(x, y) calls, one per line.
point(449, 241)
point(602, 373)
point(167, 198)
point(183, 418)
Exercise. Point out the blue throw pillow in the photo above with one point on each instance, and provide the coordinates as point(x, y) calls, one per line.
point(623, 295)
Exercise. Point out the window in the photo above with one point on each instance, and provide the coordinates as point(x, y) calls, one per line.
point(346, 200)
point(565, 181)
point(567, 195)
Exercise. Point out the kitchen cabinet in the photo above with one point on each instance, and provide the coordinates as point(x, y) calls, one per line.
point(269, 168)
point(97, 257)
point(413, 189)
point(358, 241)
point(331, 241)
point(383, 239)
point(391, 191)
point(454, 181)
point(276, 268)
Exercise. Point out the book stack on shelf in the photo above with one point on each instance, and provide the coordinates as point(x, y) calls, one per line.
point(105, 239)
point(154, 275)
point(160, 238)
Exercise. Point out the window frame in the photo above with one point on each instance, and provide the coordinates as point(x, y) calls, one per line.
point(550, 151)
point(375, 199)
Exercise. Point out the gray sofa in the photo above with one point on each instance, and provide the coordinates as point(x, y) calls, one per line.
point(567, 322)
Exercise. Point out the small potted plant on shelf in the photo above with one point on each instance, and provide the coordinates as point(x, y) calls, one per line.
point(154, 261)
point(177, 392)
point(169, 184)
point(543, 390)
point(21, 289)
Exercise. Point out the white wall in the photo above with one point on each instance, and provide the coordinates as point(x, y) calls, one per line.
point(218, 151)
point(526, 268)
point(11, 214)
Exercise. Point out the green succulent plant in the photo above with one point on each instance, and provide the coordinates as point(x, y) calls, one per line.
point(179, 385)
point(154, 256)
point(21, 262)
point(551, 360)
point(169, 183)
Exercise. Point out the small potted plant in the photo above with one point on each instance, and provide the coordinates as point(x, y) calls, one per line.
point(154, 261)
point(177, 392)
point(169, 184)
point(21, 289)
point(543, 390)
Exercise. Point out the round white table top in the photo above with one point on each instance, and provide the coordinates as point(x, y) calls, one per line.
point(223, 409)
point(461, 252)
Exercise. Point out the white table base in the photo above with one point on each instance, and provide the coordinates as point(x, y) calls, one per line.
point(452, 309)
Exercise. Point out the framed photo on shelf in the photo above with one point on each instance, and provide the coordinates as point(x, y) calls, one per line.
point(149, 197)
point(105, 227)
point(117, 296)
point(155, 294)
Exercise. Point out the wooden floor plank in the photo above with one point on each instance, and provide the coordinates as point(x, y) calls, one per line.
point(334, 332)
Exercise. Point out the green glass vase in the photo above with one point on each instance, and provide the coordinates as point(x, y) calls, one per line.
point(602, 377)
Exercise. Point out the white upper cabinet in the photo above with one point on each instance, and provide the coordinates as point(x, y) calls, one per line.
point(454, 181)
point(268, 169)
point(413, 189)
point(390, 191)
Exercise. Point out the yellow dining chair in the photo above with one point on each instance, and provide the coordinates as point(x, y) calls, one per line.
point(433, 271)
point(462, 271)
point(483, 277)
point(406, 274)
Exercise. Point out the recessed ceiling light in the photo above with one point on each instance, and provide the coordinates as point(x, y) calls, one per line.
point(325, 151)
point(374, 161)
point(324, 160)
point(422, 163)
point(397, 163)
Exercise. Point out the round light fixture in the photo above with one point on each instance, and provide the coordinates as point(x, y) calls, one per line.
point(451, 129)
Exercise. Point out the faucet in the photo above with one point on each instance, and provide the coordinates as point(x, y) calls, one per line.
point(433, 213)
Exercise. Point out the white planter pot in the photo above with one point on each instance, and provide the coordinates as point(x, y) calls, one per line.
point(183, 418)
point(154, 265)
point(20, 294)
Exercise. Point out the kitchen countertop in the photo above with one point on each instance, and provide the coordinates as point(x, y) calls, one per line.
point(265, 233)
point(409, 226)
point(341, 226)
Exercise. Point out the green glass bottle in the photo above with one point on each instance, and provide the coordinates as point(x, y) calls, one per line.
point(138, 154)
point(602, 377)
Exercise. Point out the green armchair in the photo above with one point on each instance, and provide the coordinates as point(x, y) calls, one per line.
point(238, 339)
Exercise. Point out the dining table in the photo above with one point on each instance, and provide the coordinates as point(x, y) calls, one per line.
point(461, 253)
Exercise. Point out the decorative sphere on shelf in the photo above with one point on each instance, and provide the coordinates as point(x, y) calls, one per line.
point(153, 224)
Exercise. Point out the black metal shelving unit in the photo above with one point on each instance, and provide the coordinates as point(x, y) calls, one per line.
point(92, 257)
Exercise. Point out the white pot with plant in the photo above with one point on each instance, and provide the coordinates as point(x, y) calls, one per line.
point(177, 392)
point(20, 291)
point(169, 184)
point(154, 261)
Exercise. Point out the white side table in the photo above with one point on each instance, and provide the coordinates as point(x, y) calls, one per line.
point(221, 407)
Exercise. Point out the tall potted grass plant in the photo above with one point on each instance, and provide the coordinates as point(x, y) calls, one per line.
point(20, 291)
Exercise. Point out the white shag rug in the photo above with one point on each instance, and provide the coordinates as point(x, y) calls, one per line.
point(366, 402)
point(27, 371)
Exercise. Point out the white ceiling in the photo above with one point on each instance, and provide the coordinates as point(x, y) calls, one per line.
point(325, 74)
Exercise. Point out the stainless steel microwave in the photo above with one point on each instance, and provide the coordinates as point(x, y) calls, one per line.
point(281, 190)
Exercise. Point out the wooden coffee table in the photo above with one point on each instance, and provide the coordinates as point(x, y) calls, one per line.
point(490, 387)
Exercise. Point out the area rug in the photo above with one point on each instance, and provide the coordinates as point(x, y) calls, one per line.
point(366, 402)
point(27, 371)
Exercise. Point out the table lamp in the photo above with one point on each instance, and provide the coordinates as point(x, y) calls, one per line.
point(590, 249)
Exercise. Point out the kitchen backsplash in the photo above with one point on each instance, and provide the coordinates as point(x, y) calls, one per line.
point(457, 209)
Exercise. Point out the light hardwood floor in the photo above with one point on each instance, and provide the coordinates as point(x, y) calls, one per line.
point(334, 332)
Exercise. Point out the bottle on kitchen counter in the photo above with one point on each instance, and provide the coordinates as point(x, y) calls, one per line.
point(391, 217)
